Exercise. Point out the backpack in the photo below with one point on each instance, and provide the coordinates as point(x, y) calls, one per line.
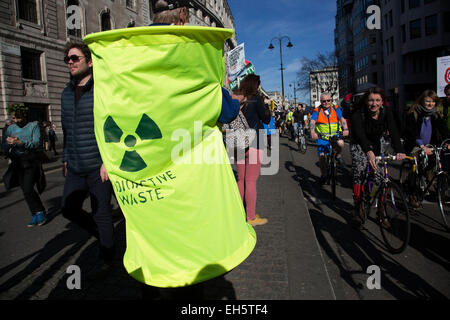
point(238, 133)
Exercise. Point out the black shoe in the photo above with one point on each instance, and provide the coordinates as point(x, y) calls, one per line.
point(413, 202)
point(382, 219)
point(357, 218)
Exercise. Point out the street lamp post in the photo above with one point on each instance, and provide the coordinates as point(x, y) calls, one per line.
point(289, 45)
point(295, 95)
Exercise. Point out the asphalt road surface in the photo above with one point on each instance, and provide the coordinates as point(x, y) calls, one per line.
point(421, 271)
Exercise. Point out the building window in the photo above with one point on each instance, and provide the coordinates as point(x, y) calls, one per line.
point(403, 33)
point(131, 24)
point(446, 21)
point(431, 25)
point(414, 29)
point(31, 64)
point(130, 4)
point(391, 20)
point(106, 21)
point(28, 10)
point(414, 4)
point(37, 112)
point(403, 6)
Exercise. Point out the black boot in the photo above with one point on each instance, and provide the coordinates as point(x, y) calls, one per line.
point(358, 215)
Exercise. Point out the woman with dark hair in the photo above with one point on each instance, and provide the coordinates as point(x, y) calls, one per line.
point(371, 120)
point(425, 125)
point(249, 168)
point(21, 143)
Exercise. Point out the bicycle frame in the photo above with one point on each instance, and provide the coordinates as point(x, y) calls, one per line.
point(386, 178)
point(437, 169)
point(394, 226)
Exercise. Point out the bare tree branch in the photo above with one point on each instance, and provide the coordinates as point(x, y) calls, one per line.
point(320, 62)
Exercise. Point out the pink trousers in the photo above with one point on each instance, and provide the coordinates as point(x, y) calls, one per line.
point(248, 173)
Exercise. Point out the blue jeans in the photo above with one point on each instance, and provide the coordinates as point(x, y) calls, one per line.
point(296, 125)
point(98, 223)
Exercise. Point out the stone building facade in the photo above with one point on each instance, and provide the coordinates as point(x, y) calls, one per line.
point(400, 56)
point(359, 50)
point(33, 34)
point(415, 34)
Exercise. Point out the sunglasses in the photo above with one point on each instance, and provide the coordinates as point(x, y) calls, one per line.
point(326, 100)
point(73, 57)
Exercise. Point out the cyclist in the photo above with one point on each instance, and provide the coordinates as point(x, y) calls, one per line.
point(370, 122)
point(298, 120)
point(279, 121)
point(289, 120)
point(425, 125)
point(327, 121)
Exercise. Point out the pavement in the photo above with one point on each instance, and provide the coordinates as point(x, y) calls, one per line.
point(286, 264)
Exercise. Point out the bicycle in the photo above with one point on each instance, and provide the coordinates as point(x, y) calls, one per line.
point(423, 187)
point(301, 139)
point(331, 162)
point(393, 217)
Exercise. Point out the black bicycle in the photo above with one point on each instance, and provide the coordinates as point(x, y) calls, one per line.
point(301, 139)
point(331, 162)
point(440, 179)
point(391, 206)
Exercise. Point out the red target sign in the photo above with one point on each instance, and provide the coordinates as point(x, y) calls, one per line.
point(447, 75)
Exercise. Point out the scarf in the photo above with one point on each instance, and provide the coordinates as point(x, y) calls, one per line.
point(426, 112)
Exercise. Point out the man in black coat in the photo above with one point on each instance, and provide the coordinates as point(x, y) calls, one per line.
point(83, 166)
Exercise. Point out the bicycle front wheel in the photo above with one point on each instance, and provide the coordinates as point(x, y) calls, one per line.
point(443, 194)
point(302, 144)
point(396, 228)
point(405, 169)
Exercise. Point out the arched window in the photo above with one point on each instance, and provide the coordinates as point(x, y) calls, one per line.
point(130, 4)
point(105, 18)
point(73, 16)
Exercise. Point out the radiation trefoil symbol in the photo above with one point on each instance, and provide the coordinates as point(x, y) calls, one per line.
point(146, 130)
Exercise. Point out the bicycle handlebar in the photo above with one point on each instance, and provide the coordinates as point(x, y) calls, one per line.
point(321, 135)
point(394, 158)
point(388, 158)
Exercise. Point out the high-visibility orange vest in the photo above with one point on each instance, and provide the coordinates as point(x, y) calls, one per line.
point(327, 126)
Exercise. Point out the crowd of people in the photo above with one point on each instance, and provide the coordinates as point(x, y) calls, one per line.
point(85, 174)
point(374, 129)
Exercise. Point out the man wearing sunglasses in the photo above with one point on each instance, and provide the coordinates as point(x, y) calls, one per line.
point(326, 122)
point(82, 165)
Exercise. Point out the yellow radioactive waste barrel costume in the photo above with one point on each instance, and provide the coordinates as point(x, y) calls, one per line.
point(157, 99)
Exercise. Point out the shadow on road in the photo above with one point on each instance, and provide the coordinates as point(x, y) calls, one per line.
point(74, 238)
point(365, 248)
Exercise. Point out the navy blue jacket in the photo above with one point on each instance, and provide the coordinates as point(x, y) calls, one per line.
point(80, 146)
point(256, 114)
